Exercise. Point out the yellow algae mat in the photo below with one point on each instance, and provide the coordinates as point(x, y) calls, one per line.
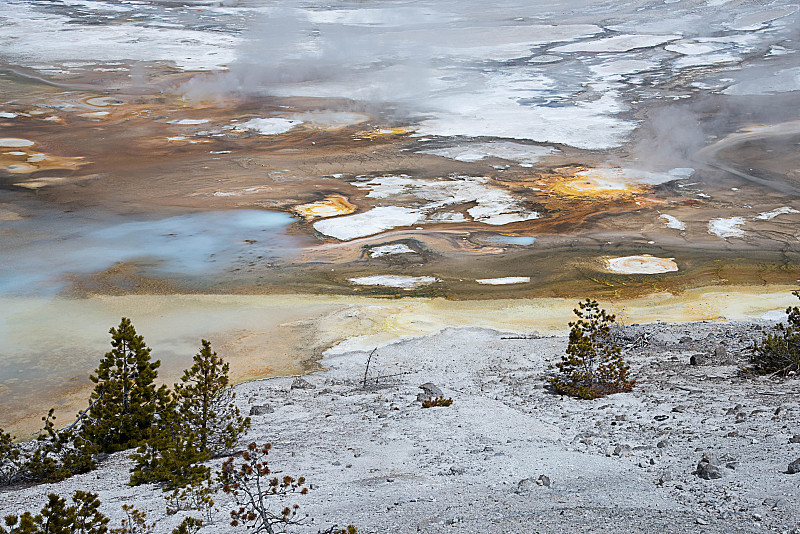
point(56, 343)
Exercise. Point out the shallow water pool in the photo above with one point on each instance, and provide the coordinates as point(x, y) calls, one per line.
point(42, 251)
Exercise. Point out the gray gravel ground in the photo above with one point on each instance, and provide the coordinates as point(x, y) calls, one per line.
point(627, 462)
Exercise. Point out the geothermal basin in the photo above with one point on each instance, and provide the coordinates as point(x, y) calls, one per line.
point(281, 178)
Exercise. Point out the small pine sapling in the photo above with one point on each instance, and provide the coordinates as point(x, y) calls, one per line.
point(196, 496)
point(125, 403)
point(592, 366)
point(88, 518)
point(252, 487)
point(12, 459)
point(779, 353)
point(189, 525)
point(59, 453)
point(54, 455)
point(55, 517)
point(134, 522)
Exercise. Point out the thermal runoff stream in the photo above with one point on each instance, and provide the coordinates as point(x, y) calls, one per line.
point(274, 175)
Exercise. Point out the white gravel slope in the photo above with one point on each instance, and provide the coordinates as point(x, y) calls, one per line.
point(376, 459)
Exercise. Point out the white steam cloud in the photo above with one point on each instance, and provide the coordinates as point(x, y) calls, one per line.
point(573, 72)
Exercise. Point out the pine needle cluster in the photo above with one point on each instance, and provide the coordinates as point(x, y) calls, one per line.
point(56, 517)
point(82, 517)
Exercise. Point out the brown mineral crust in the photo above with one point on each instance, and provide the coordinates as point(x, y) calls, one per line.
point(139, 158)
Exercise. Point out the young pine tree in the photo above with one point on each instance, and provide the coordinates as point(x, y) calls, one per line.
point(204, 422)
point(592, 366)
point(125, 403)
point(206, 402)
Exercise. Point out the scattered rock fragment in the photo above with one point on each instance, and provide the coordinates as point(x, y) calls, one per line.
point(302, 383)
point(774, 502)
point(795, 439)
point(529, 484)
point(708, 467)
point(429, 391)
point(734, 410)
point(622, 450)
point(261, 409)
point(794, 467)
point(698, 359)
point(457, 469)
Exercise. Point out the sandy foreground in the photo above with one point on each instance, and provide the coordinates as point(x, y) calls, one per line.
point(376, 459)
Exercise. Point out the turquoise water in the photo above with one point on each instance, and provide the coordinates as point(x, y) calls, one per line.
point(510, 240)
point(39, 252)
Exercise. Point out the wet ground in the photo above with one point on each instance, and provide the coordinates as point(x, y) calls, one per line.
point(160, 193)
point(53, 345)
